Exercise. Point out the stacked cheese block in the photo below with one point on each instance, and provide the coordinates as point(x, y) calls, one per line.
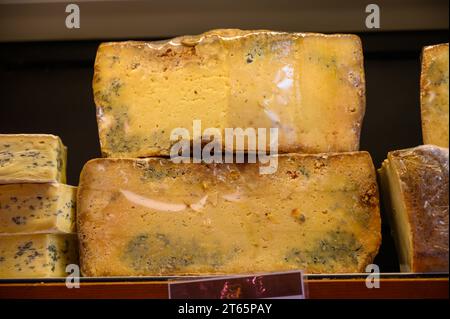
point(415, 180)
point(150, 216)
point(37, 210)
point(434, 95)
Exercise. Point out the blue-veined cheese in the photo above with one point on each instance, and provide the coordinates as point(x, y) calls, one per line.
point(32, 158)
point(42, 207)
point(152, 217)
point(309, 86)
point(37, 255)
point(434, 95)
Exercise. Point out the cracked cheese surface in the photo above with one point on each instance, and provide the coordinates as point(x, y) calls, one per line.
point(309, 86)
point(151, 217)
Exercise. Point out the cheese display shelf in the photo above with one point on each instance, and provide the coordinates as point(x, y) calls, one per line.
point(339, 286)
point(137, 224)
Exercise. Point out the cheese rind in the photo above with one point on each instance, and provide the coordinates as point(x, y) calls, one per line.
point(415, 184)
point(153, 217)
point(434, 95)
point(32, 158)
point(310, 86)
point(31, 208)
point(37, 255)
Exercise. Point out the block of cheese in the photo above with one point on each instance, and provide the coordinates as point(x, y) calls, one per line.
point(32, 158)
point(434, 95)
point(37, 255)
point(310, 87)
point(153, 217)
point(415, 185)
point(43, 207)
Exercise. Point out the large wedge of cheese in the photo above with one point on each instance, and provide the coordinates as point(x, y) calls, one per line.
point(32, 158)
point(153, 217)
point(37, 255)
point(434, 95)
point(310, 87)
point(31, 208)
point(415, 185)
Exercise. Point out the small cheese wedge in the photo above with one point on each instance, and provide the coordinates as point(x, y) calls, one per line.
point(415, 186)
point(434, 95)
point(31, 208)
point(37, 255)
point(32, 158)
point(153, 217)
point(309, 86)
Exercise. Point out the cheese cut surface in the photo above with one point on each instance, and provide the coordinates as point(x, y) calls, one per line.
point(434, 95)
point(30, 208)
point(32, 158)
point(37, 255)
point(153, 217)
point(309, 86)
point(415, 182)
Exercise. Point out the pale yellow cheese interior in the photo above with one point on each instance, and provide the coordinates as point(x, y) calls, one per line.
point(309, 86)
point(32, 208)
point(36, 255)
point(32, 158)
point(152, 217)
point(398, 216)
point(434, 95)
